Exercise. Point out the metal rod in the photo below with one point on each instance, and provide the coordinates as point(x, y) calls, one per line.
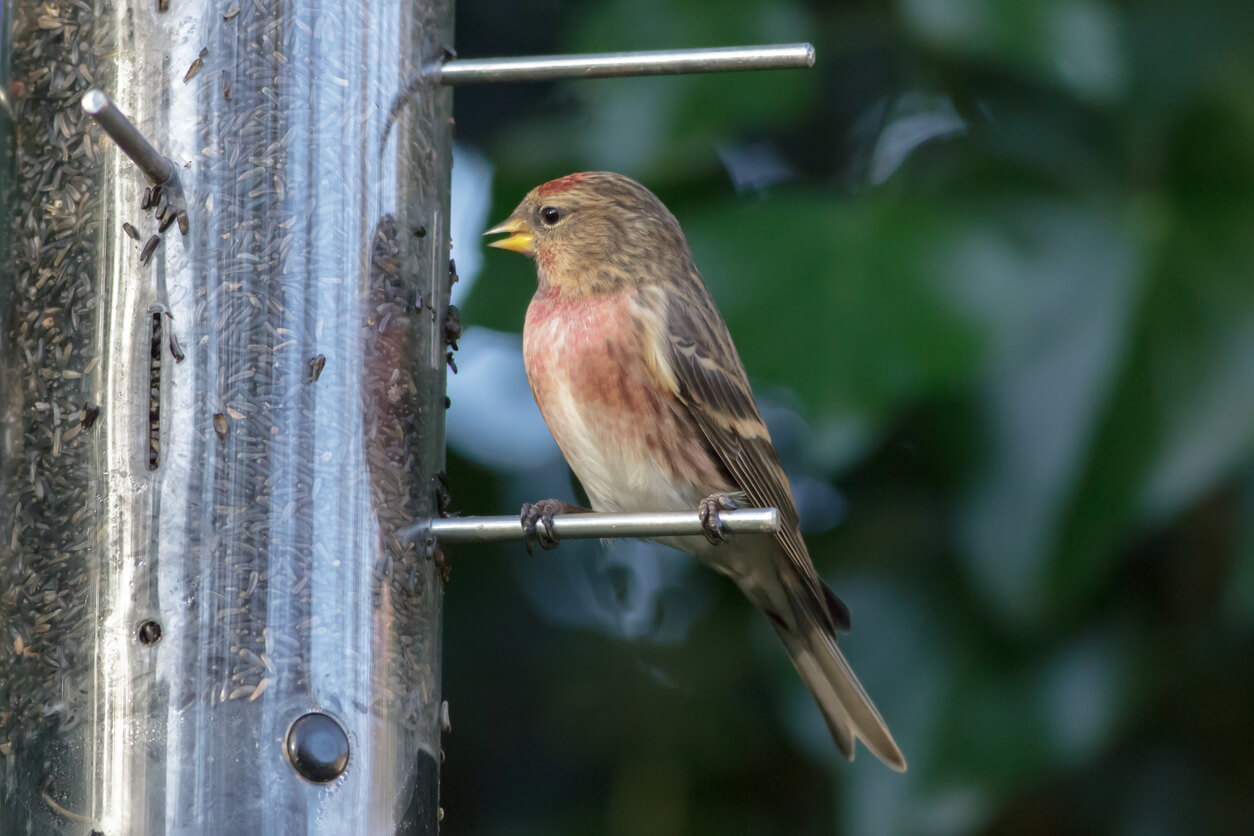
point(157, 168)
point(610, 64)
point(594, 526)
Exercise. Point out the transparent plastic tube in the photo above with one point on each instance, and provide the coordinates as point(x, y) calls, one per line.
point(209, 441)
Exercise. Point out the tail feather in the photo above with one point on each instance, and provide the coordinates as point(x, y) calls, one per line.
point(845, 705)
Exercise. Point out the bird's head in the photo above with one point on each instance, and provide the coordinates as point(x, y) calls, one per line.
point(595, 232)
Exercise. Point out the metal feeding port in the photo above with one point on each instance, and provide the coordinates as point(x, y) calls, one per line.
point(214, 445)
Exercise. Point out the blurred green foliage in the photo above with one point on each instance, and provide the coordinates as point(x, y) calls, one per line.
point(1026, 359)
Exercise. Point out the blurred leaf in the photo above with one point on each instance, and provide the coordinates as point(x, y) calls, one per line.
point(905, 652)
point(1180, 51)
point(1239, 598)
point(1182, 415)
point(633, 24)
point(1059, 283)
point(846, 304)
point(662, 127)
point(988, 707)
point(1078, 44)
point(1010, 721)
point(1207, 393)
point(507, 281)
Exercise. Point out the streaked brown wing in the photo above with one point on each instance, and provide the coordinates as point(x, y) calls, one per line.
point(712, 384)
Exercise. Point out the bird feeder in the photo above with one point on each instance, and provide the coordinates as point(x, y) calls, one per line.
point(224, 277)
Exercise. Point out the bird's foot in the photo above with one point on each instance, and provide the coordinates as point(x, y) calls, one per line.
point(708, 511)
point(542, 512)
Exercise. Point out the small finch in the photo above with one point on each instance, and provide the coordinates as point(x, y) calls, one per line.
point(637, 378)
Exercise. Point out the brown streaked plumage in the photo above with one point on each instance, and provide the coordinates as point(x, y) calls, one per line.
point(637, 378)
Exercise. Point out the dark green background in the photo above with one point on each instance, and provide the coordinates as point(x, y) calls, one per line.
point(1026, 362)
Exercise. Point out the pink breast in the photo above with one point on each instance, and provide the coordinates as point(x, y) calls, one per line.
point(587, 348)
point(585, 356)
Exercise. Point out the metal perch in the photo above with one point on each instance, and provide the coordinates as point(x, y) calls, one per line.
point(595, 526)
point(157, 168)
point(620, 64)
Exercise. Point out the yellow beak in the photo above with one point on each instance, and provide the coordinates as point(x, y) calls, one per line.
point(521, 238)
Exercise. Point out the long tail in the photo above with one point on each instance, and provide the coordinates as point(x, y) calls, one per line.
point(848, 710)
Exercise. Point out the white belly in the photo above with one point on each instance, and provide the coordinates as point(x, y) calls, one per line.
point(608, 453)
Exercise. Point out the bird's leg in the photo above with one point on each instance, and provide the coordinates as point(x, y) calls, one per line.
point(542, 512)
point(711, 525)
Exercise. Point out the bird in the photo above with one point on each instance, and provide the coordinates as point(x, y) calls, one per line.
point(637, 378)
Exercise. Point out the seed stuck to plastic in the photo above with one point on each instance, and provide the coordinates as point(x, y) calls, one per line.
point(149, 248)
point(316, 364)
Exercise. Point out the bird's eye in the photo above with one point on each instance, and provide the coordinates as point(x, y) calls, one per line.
point(550, 215)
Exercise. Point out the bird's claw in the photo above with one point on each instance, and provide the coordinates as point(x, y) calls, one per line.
point(540, 512)
point(708, 511)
